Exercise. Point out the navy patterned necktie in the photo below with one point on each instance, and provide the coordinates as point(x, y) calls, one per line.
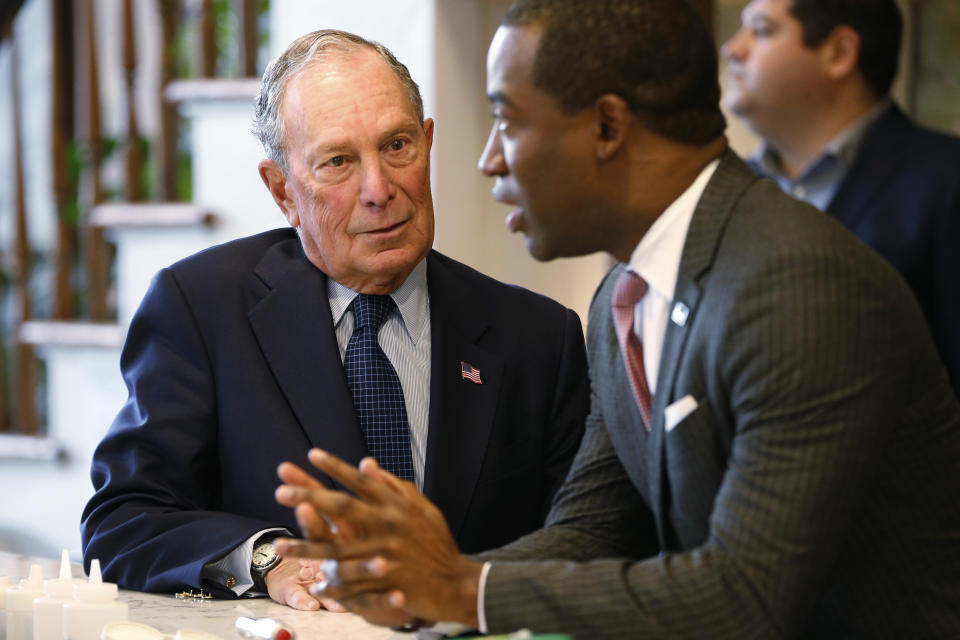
point(375, 387)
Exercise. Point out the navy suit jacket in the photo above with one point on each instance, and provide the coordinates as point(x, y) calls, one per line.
point(902, 197)
point(232, 367)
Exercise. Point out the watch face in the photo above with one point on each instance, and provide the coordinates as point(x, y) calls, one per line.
point(263, 555)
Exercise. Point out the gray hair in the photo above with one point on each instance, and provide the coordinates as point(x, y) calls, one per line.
point(268, 125)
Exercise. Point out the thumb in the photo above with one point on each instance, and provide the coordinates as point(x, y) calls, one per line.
point(298, 598)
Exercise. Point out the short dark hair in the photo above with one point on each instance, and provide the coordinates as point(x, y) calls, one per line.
point(877, 22)
point(655, 54)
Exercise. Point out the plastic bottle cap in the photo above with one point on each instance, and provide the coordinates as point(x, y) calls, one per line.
point(61, 587)
point(34, 580)
point(95, 590)
point(20, 598)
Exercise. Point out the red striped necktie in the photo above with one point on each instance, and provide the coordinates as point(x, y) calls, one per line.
point(628, 292)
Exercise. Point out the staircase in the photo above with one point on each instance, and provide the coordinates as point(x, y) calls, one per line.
point(48, 487)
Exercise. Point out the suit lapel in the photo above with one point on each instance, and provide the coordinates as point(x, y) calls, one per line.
point(706, 227)
point(461, 412)
point(294, 329)
point(878, 158)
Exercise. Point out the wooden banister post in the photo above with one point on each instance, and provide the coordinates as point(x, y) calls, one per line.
point(208, 40)
point(61, 132)
point(25, 409)
point(88, 126)
point(134, 153)
point(166, 144)
point(246, 37)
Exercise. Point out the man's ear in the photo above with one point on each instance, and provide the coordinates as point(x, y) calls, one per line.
point(276, 182)
point(614, 119)
point(428, 132)
point(840, 52)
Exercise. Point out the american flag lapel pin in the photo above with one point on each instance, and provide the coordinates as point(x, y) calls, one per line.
point(469, 372)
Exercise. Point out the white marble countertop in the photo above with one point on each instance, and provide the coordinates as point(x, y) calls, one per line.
point(169, 614)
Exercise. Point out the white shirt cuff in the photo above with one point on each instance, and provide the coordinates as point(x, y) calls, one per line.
point(233, 569)
point(481, 587)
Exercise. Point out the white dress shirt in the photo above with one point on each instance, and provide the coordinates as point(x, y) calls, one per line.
point(657, 260)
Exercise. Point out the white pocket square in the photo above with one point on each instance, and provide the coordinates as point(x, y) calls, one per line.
point(677, 411)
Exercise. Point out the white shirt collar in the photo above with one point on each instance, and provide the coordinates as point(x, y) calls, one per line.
point(657, 258)
point(411, 297)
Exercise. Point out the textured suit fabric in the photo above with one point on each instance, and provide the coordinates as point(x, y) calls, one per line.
point(232, 367)
point(811, 493)
point(902, 197)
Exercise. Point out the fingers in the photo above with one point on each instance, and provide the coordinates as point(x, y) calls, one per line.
point(310, 572)
point(332, 605)
point(332, 549)
point(292, 474)
point(348, 594)
point(371, 468)
point(298, 597)
point(314, 525)
point(365, 486)
point(337, 571)
point(328, 503)
point(345, 579)
point(369, 601)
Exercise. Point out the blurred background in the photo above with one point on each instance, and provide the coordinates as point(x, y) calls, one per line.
point(126, 145)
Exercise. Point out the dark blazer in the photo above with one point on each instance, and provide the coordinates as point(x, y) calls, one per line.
point(232, 367)
point(902, 197)
point(812, 491)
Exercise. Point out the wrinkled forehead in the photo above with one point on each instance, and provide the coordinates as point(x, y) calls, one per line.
point(358, 74)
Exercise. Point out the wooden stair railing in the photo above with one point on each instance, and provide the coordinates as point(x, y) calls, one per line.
point(24, 413)
point(79, 310)
point(94, 247)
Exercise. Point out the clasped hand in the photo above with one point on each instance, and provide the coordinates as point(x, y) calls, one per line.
point(396, 558)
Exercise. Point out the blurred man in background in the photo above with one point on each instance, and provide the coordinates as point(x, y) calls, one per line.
point(812, 78)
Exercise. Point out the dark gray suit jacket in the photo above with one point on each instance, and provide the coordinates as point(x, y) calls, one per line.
point(811, 493)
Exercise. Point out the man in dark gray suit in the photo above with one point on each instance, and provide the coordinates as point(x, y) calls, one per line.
point(772, 448)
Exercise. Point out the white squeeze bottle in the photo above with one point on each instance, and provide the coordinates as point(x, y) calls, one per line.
point(4, 585)
point(95, 606)
point(48, 610)
point(20, 605)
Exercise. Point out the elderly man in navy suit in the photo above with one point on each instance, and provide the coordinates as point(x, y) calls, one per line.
point(345, 332)
point(812, 78)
